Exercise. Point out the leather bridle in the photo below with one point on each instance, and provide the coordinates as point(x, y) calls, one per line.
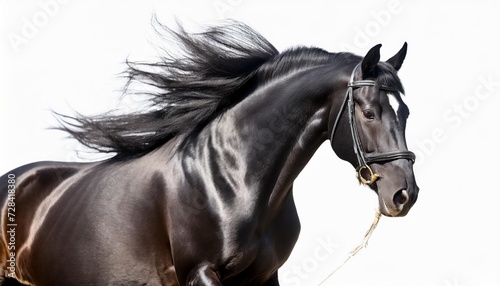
point(363, 172)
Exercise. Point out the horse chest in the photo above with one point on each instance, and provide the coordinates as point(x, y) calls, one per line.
point(268, 246)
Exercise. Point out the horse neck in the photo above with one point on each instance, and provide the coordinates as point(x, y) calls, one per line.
point(278, 128)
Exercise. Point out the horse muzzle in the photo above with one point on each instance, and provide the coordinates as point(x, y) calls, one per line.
point(398, 203)
point(394, 183)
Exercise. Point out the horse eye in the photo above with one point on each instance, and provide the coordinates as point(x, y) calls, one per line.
point(368, 114)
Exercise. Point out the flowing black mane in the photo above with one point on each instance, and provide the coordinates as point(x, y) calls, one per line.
point(217, 69)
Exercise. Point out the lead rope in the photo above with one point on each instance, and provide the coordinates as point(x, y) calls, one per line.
point(358, 248)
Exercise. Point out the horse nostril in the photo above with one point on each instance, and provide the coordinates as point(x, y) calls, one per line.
point(401, 197)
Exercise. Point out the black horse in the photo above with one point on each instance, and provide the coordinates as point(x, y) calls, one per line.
point(200, 189)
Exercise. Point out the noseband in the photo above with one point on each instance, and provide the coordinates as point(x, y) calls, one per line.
point(364, 173)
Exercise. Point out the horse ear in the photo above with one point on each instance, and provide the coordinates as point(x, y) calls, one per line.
point(397, 60)
point(371, 60)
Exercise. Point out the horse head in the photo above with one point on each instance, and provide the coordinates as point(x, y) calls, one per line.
point(376, 120)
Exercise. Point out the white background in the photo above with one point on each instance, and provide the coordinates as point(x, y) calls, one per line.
point(66, 55)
